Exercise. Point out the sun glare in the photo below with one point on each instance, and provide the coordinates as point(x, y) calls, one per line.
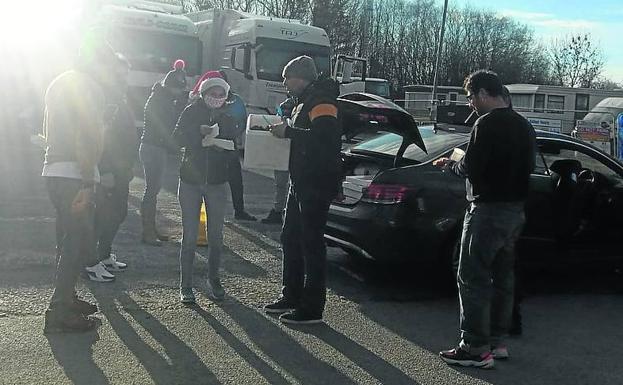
point(38, 21)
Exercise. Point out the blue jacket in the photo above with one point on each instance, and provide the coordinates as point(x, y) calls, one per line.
point(237, 110)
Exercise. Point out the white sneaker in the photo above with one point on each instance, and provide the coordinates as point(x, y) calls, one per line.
point(111, 264)
point(500, 352)
point(98, 273)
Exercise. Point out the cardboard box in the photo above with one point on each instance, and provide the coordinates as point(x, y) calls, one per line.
point(353, 185)
point(361, 181)
point(263, 150)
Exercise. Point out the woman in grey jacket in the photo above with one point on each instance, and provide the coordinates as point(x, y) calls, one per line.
point(206, 132)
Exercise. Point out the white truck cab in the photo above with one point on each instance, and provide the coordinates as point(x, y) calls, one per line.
point(378, 86)
point(351, 73)
point(253, 49)
point(152, 36)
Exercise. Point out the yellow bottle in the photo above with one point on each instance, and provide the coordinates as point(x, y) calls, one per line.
point(202, 237)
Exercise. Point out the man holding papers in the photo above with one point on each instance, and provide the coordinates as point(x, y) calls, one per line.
point(316, 134)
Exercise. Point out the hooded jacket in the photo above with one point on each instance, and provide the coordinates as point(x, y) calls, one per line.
point(205, 164)
point(120, 143)
point(316, 132)
point(161, 114)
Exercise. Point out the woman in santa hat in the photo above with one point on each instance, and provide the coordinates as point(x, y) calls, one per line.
point(206, 132)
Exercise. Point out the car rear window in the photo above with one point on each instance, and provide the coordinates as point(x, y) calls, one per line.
point(388, 143)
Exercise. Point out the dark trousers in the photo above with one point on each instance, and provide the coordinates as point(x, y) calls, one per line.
point(486, 278)
point(110, 212)
point(154, 161)
point(305, 252)
point(235, 181)
point(76, 238)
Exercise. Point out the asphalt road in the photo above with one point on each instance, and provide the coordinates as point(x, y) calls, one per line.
point(384, 325)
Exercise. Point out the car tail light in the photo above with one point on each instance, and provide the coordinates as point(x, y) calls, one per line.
point(386, 193)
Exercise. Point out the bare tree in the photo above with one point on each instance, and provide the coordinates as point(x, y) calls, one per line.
point(398, 37)
point(576, 61)
point(602, 83)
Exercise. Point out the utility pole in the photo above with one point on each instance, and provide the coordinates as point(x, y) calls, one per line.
point(365, 27)
point(437, 57)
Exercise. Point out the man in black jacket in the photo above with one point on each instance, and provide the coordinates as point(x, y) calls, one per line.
point(161, 113)
point(115, 167)
point(314, 174)
point(497, 165)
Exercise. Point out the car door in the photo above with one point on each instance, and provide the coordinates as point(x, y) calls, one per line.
point(600, 212)
point(539, 235)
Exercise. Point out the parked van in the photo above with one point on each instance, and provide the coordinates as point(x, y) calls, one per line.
point(556, 109)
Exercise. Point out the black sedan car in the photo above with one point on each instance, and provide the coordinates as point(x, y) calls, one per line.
point(396, 206)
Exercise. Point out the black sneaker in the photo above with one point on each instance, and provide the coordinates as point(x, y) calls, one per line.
point(84, 307)
point(186, 295)
point(244, 216)
point(215, 289)
point(274, 218)
point(57, 321)
point(299, 317)
point(280, 306)
point(458, 356)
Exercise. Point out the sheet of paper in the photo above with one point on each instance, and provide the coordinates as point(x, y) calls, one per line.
point(225, 144)
point(211, 132)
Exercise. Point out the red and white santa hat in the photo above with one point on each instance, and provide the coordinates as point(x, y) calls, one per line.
point(208, 80)
point(214, 82)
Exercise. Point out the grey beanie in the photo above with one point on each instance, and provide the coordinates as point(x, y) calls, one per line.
point(302, 67)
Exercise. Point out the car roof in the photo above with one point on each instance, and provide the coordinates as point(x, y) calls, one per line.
point(540, 134)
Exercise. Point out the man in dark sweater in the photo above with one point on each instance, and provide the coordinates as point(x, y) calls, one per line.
point(497, 165)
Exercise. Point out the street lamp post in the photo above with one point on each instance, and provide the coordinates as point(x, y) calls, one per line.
point(437, 57)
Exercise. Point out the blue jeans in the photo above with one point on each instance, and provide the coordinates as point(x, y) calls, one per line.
point(486, 276)
point(190, 197)
point(154, 161)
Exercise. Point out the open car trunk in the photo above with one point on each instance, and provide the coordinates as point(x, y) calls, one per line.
point(365, 116)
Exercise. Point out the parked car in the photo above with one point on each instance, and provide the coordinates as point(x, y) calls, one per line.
point(396, 206)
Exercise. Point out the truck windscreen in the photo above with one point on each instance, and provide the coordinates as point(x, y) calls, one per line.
point(274, 54)
point(155, 51)
point(380, 88)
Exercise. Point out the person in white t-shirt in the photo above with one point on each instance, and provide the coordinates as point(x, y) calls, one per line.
point(73, 126)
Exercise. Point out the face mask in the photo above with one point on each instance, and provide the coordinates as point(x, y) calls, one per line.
point(214, 102)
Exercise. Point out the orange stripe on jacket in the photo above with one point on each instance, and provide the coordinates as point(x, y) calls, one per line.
point(323, 110)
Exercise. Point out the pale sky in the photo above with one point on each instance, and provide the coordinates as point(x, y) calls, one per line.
point(550, 18)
